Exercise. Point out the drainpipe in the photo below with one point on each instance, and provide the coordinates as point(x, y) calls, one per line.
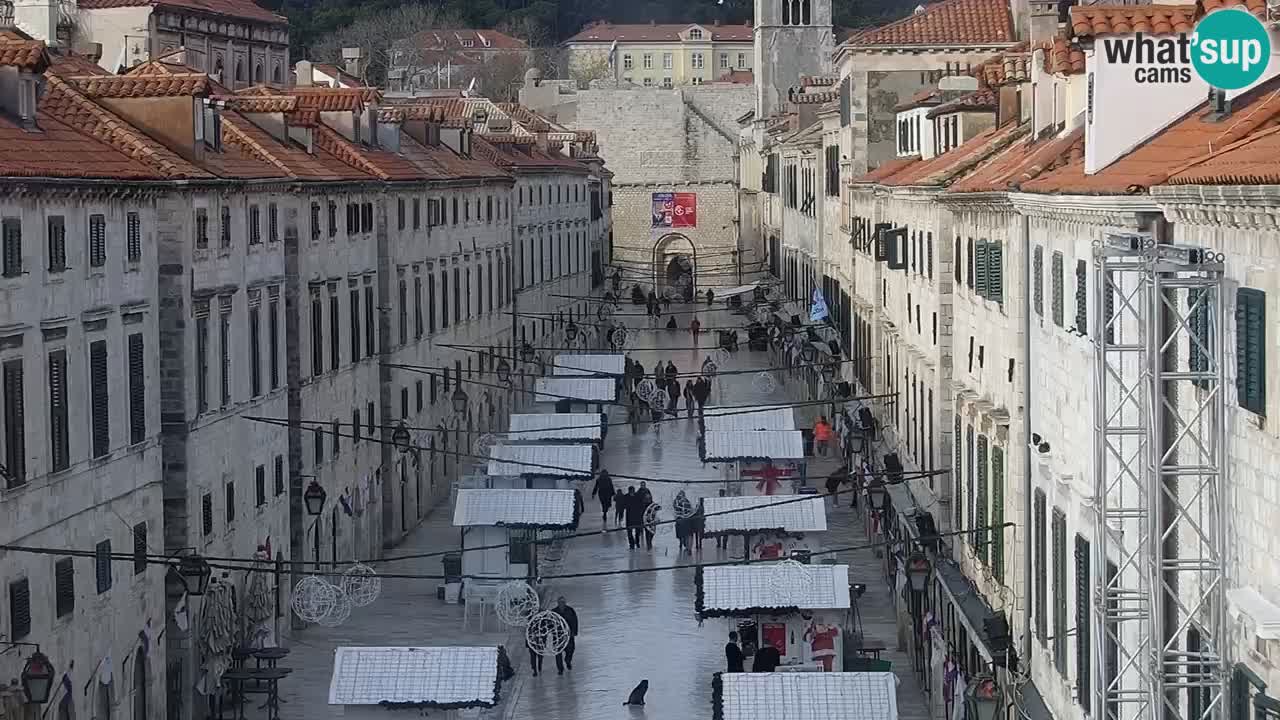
point(1028, 424)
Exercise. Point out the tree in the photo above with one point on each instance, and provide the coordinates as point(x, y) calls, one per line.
point(387, 38)
point(499, 77)
point(588, 66)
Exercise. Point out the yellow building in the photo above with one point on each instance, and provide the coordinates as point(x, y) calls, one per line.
point(662, 55)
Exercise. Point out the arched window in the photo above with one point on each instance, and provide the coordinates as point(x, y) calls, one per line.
point(804, 12)
point(217, 69)
point(239, 71)
point(257, 73)
point(275, 74)
point(139, 685)
point(786, 12)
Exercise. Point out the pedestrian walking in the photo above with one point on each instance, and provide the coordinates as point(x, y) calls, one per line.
point(659, 373)
point(672, 324)
point(702, 393)
point(535, 660)
point(603, 491)
point(666, 303)
point(733, 654)
point(565, 657)
point(834, 481)
point(645, 493)
point(690, 398)
point(579, 507)
point(711, 297)
point(619, 506)
point(635, 505)
point(694, 328)
point(684, 531)
point(672, 373)
point(822, 435)
point(633, 414)
point(673, 397)
point(699, 526)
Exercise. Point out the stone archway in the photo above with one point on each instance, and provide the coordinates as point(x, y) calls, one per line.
point(675, 262)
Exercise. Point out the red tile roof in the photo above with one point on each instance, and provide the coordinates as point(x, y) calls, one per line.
point(330, 99)
point(741, 77)
point(947, 23)
point(1010, 66)
point(1257, 7)
point(242, 9)
point(135, 86)
point(278, 104)
point(440, 162)
point(1022, 162)
point(22, 52)
point(1252, 161)
point(453, 40)
point(1063, 57)
point(924, 98)
point(510, 152)
point(1098, 20)
point(1190, 142)
point(59, 151)
point(979, 101)
point(67, 64)
point(603, 32)
point(887, 170)
point(948, 167)
point(818, 80)
point(532, 121)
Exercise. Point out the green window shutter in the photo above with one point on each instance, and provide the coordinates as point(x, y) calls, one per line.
point(995, 272)
point(1251, 354)
point(1084, 646)
point(957, 263)
point(969, 475)
point(957, 476)
point(997, 513)
point(1198, 335)
point(1060, 592)
point(981, 264)
point(1109, 307)
point(1041, 584)
point(980, 514)
point(1082, 297)
point(1037, 278)
point(1055, 276)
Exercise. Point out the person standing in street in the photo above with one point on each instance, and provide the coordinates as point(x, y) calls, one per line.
point(702, 393)
point(603, 491)
point(659, 374)
point(635, 505)
point(645, 493)
point(565, 657)
point(694, 328)
point(822, 435)
point(690, 399)
point(579, 507)
point(619, 507)
point(535, 660)
point(733, 654)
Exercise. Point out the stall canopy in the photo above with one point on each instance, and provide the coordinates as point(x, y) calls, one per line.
point(580, 389)
point(447, 678)
point(717, 419)
point(613, 364)
point(561, 461)
point(765, 513)
point(572, 427)
point(727, 293)
point(746, 590)
point(804, 696)
point(755, 445)
point(507, 507)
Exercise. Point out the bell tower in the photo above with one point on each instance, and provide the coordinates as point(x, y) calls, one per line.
point(792, 38)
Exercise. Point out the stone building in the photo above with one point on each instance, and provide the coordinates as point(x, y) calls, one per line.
point(661, 56)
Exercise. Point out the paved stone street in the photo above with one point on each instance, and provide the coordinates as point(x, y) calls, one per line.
point(633, 626)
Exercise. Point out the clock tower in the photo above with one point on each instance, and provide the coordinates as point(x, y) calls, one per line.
point(792, 38)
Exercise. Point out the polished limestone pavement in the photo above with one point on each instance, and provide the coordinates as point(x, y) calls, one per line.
point(633, 625)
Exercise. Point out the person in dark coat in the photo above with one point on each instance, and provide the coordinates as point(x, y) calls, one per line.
point(690, 399)
point(672, 373)
point(702, 393)
point(659, 373)
point(767, 659)
point(711, 297)
point(634, 505)
point(698, 523)
point(619, 506)
point(603, 491)
point(673, 397)
point(565, 658)
point(578, 506)
point(835, 480)
point(535, 660)
point(672, 324)
point(733, 654)
point(684, 531)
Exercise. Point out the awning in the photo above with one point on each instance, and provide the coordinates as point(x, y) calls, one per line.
point(759, 513)
point(513, 507)
point(971, 608)
point(717, 419)
point(578, 427)
point(804, 696)
point(568, 461)
point(744, 590)
point(754, 445)
point(590, 364)
point(580, 389)
point(727, 293)
point(439, 677)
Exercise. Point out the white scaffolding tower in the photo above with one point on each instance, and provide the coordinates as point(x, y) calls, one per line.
point(1158, 618)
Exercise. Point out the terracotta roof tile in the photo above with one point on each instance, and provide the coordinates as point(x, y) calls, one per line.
point(948, 167)
point(1021, 162)
point(514, 153)
point(603, 32)
point(481, 40)
point(1257, 7)
point(924, 98)
point(379, 163)
point(1062, 57)
point(947, 23)
point(135, 86)
point(532, 121)
point(887, 170)
point(22, 52)
point(978, 101)
point(1253, 161)
point(288, 158)
point(1007, 68)
point(815, 98)
point(302, 118)
point(72, 64)
point(438, 162)
point(59, 151)
point(740, 77)
point(509, 139)
point(243, 9)
point(278, 104)
point(1098, 20)
point(1195, 140)
point(333, 99)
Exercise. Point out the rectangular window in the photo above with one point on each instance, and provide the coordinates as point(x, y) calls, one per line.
point(139, 548)
point(400, 213)
point(231, 501)
point(369, 327)
point(333, 218)
point(137, 389)
point(957, 479)
point(444, 299)
point(971, 491)
point(102, 565)
point(418, 395)
point(64, 587)
point(202, 361)
point(1055, 279)
point(626, 62)
point(224, 347)
point(457, 296)
point(742, 61)
point(404, 311)
point(15, 431)
point(202, 229)
point(973, 264)
point(1037, 280)
point(1251, 350)
point(1060, 591)
point(417, 213)
point(1084, 621)
point(57, 241)
point(980, 515)
point(133, 237)
point(404, 403)
point(278, 475)
point(356, 337)
point(206, 514)
point(224, 228)
point(273, 341)
point(317, 438)
point(255, 226)
point(648, 61)
point(317, 335)
point(995, 272)
point(956, 264)
point(431, 303)
point(260, 486)
point(1082, 298)
point(695, 61)
point(666, 63)
point(315, 221)
point(369, 418)
point(59, 440)
point(97, 240)
point(336, 431)
point(335, 324)
point(99, 403)
point(997, 513)
point(273, 223)
point(19, 609)
point(417, 306)
point(255, 351)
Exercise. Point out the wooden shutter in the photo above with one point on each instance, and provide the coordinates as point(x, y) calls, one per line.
point(353, 307)
point(1251, 354)
point(64, 587)
point(1037, 280)
point(97, 240)
point(995, 272)
point(928, 253)
point(335, 326)
point(102, 565)
point(370, 328)
point(15, 418)
point(206, 514)
point(57, 232)
point(1060, 591)
point(970, 475)
point(11, 247)
point(100, 407)
point(1084, 645)
point(260, 484)
point(1198, 336)
point(980, 518)
point(59, 447)
point(956, 264)
point(278, 475)
point(231, 501)
point(973, 263)
point(1055, 276)
point(1041, 573)
point(273, 222)
point(19, 609)
point(997, 512)
point(1082, 297)
point(255, 350)
point(139, 548)
point(137, 389)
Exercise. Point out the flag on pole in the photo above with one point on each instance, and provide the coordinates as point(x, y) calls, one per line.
point(818, 310)
point(613, 50)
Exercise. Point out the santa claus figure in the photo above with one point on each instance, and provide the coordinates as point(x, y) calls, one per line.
point(822, 643)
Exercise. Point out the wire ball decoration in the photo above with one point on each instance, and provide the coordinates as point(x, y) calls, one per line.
point(683, 507)
point(709, 368)
point(516, 603)
point(313, 598)
point(659, 399)
point(790, 579)
point(485, 443)
point(547, 633)
point(723, 356)
point(653, 521)
point(340, 612)
point(362, 584)
point(645, 389)
point(618, 338)
point(764, 383)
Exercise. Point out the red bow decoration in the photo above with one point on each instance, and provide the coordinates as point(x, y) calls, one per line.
point(770, 478)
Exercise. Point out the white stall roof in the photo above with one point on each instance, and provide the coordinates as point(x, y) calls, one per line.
point(555, 426)
point(453, 676)
point(590, 364)
point(807, 696)
point(497, 507)
point(582, 389)
point(727, 293)
point(573, 461)
point(726, 588)
point(718, 419)
point(747, 513)
point(755, 444)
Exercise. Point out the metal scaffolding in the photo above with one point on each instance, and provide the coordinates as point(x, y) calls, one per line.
point(1158, 622)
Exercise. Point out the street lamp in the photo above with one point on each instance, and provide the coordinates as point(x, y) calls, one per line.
point(828, 372)
point(808, 353)
point(460, 401)
point(983, 698)
point(504, 370)
point(314, 498)
point(876, 494)
point(194, 573)
point(571, 331)
point(528, 353)
point(37, 678)
point(918, 568)
point(400, 437)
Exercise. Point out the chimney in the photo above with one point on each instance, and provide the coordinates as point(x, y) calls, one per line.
point(305, 74)
point(354, 61)
point(38, 18)
point(1044, 21)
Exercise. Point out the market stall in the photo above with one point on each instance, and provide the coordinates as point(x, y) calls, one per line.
point(449, 679)
point(539, 466)
point(771, 526)
point(557, 428)
point(597, 364)
point(805, 618)
point(566, 391)
point(757, 462)
point(498, 529)
point(804, 696)
point(737, 419)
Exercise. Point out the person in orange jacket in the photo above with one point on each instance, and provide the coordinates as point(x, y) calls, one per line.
point(822, 434)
